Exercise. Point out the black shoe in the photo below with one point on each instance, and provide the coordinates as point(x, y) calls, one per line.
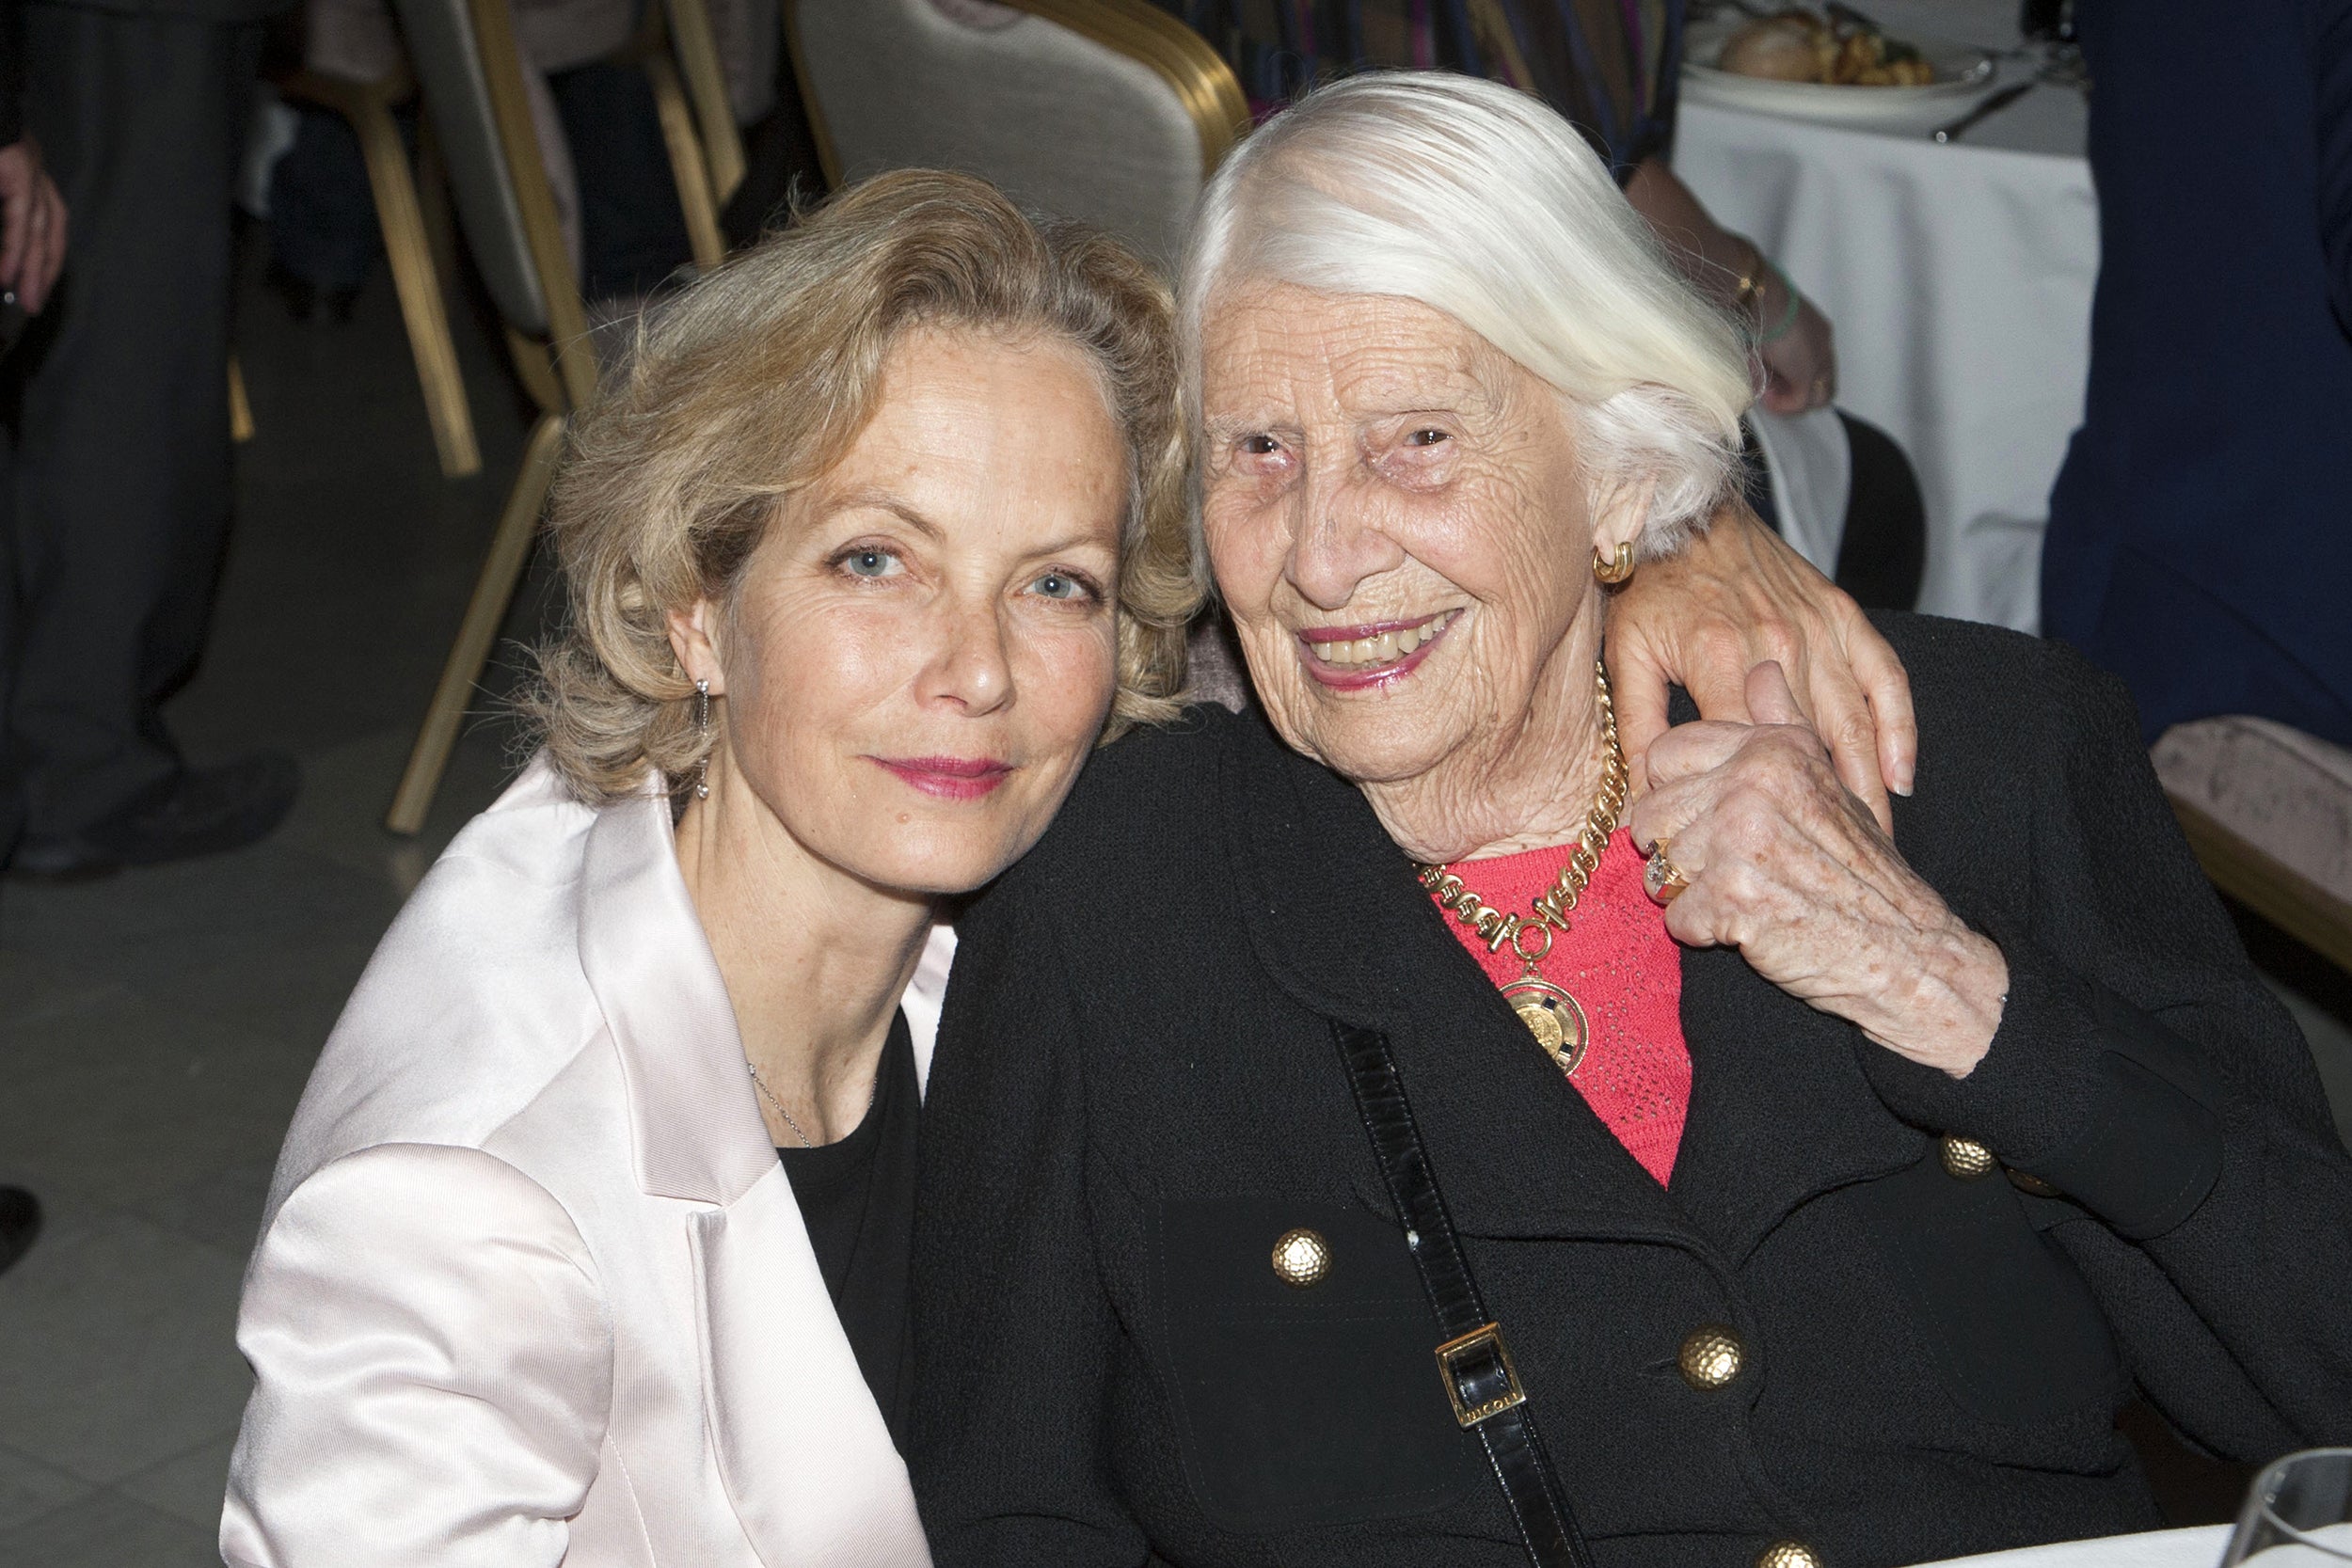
point(198, 810)
point(19, 1222)
point(300, 294)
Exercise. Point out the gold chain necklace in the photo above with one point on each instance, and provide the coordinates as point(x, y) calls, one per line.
point(1555, 1018)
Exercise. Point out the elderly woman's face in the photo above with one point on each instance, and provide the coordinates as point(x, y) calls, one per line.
point(1398, 523)
point(923, 651)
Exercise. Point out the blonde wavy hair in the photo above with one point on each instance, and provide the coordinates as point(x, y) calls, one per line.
point(757, 378)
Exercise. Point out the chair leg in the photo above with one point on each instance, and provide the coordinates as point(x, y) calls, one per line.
point(493, 592)
point(240, 407)
point(534, 368)
point(441, 226)
point(686, 165)
point(409, 249)
point(697, 55)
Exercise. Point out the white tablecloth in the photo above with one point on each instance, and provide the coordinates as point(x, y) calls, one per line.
point(2171, 1549)
point(1958, 277)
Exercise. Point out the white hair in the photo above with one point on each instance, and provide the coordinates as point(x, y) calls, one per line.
point(1478, 200)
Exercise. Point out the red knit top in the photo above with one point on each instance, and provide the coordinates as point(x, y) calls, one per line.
point(1618, 962)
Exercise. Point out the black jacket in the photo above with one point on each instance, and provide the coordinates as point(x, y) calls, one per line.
point(1137, 1091)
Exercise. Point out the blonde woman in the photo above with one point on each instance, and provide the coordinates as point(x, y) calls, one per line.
point(589, 1241)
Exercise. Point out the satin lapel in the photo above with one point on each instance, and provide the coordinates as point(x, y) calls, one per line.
point(802, 1447)
point(1780, 1110)
point(927, 993)
point(1335, 914)
point(696, 1126)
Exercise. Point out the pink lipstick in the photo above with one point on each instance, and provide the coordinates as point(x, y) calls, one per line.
point(949, 778)
point(1377, 654)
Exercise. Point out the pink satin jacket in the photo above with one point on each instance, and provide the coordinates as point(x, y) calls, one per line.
point(531, 1286)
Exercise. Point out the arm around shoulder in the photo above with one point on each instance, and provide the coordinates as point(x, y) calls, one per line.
point(433, 1369)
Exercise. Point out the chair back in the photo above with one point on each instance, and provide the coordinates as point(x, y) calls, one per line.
point(1109, 111)
point(465, 61)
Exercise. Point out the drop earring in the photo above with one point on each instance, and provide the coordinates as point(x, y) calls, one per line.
point(702, 728)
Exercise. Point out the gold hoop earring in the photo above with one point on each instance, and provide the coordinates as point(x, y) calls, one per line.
point(1611, 572)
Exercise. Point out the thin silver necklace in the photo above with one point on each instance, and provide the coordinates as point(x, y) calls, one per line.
point(768, 1095)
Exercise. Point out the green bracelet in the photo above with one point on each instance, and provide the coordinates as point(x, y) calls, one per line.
point(1789, 317)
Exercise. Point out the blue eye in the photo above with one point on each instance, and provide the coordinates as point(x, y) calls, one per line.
point(1060, 585)
point(872, 563)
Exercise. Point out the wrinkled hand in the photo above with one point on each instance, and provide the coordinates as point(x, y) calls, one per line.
point(1800, 365)
point(32, 226)
point(1733, 599)
point(1785, 864)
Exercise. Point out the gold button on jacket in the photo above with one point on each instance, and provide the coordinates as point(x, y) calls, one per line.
point(1787, 1554)
point(1301, 1257)
point(1710, 1356)
point(1966, 1158)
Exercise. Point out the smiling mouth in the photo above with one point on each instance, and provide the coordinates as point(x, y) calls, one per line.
point(1371, 655)
point(949, 778)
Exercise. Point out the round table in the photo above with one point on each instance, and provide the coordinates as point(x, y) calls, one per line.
point(1958, 277)
point(2171, 1549)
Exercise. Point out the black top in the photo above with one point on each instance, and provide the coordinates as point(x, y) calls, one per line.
point(1138, 1091)
point(857, 1198)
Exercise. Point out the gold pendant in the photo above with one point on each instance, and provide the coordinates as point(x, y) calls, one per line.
point(1553, 1017)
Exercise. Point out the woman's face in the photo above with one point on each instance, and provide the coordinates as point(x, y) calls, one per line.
point(922, 650)
point(1398, 523)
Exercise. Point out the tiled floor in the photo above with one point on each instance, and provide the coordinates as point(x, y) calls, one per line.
point(155, 1030)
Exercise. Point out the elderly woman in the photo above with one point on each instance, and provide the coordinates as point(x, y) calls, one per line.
point(590, 1240)
point(1805, 1194)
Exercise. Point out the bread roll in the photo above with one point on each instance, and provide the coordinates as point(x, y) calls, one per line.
point(1782, 49)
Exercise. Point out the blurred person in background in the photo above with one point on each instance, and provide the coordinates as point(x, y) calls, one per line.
point(32, 250)
point(117, 460)
point(1612, 70)
point(2199, 542)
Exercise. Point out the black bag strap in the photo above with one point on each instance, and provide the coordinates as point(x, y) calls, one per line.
point(1474, 1362)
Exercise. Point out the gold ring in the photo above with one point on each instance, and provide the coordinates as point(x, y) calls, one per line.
point(1662, 878)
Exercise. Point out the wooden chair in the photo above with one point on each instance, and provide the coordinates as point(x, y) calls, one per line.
point(674, 48)
point(362, 73)
point(2268, 811)
point(464, 55)
point(1109, 111)
point(367, 102)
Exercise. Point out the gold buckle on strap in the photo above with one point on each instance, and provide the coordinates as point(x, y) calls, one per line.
point(1478, 1356)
